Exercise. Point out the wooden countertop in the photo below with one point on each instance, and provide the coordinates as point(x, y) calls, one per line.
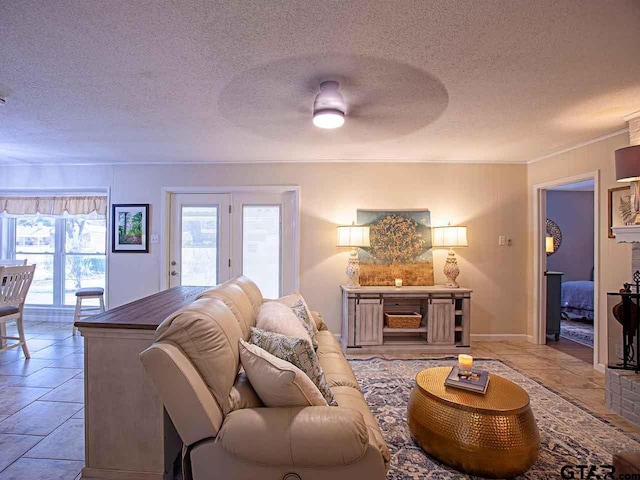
point(146, 313)
point(390, 289)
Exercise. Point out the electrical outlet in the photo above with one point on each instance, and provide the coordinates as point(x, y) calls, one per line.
point(154, 238)
point(502, 241)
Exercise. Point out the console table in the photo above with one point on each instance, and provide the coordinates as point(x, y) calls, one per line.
point(445, 325)
point(128, 434)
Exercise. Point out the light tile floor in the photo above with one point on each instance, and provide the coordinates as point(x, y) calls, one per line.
point(41, 399)
point(42, 404)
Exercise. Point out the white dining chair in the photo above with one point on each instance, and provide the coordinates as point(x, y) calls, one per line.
point(14, 286)
point(12, 263)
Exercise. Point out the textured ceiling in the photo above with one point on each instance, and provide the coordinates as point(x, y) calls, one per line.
point(151, 81)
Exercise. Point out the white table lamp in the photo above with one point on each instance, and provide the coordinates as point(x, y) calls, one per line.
point(353, 236)
point(450, 237)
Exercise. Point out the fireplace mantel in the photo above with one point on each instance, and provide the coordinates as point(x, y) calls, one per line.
point(627, 233)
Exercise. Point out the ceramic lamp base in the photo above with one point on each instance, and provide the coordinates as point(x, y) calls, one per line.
point(353, 269)
point(451, 270)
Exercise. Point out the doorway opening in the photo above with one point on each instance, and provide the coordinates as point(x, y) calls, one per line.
point(566, 274)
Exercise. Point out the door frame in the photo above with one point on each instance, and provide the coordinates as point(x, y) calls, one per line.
point(540, 259)
point(165, 221)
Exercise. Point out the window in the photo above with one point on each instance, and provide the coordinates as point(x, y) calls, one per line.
point(70, 253)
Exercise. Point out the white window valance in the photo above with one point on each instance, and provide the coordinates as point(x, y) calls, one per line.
point(54, 205)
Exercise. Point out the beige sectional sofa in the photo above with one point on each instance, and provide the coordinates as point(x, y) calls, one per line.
point(227, 433)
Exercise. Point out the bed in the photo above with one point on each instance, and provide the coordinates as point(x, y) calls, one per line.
point(577, 300)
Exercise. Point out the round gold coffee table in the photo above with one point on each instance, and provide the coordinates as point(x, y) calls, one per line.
point(492, 435)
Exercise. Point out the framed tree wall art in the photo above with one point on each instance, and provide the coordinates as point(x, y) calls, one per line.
point(129, 228)
point(400, 247)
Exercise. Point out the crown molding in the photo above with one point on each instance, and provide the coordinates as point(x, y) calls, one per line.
point(580, 145)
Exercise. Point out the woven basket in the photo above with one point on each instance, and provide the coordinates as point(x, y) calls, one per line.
point(402, 320)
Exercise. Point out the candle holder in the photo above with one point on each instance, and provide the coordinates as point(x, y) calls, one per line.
point(465, 365)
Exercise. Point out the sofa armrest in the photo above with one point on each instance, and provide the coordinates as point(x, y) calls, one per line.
point(317, 317)
point(299, 436)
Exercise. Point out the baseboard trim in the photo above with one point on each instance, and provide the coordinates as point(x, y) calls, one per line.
point(488, 337)
point(500, 337)
point(600, 368)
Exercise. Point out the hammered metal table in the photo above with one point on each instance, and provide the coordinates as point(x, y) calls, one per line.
point(492, 435)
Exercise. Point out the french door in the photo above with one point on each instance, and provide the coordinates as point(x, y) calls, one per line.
point(215, 237)
point(200, 252)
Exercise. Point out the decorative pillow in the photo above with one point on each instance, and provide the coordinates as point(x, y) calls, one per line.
point(296, 302)
point(277, 317)
point(297, 352)
point(277, 382)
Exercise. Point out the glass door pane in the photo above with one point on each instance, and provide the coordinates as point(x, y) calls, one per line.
point(261, 247)
point(199, 245)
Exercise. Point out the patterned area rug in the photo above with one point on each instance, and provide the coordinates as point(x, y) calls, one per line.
point(578, 332)
point(569, 434)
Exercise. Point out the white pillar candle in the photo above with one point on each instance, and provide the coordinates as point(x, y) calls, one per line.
point(465, 362)
point(398, 282)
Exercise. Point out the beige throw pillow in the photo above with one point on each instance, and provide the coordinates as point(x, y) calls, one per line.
point(297, 352)
point(299, 306)
point(277, 382)
point(279, 318)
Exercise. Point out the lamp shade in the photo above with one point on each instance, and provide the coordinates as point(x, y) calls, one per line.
point(450, 236)
point(628, 164)
point(548, 246)
point(353, 236)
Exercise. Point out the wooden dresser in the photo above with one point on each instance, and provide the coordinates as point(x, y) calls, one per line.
point(128, 434)
point(554, 303)
point(445, 325)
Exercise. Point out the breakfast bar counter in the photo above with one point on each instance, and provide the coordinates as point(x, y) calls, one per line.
point(128, 435)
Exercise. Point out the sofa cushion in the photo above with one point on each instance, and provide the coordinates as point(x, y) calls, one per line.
point(297, 303)
point(337, 370)
point(350, 398)
point(251, 289)
point(317, 317)
point(278, 382)
point(208, 333)
point(298, 352)
point(277, 317)
point(243, 395)
point(328, 343)
point(238, 302)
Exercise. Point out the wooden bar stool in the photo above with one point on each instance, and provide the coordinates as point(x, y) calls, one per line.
point(86, 294)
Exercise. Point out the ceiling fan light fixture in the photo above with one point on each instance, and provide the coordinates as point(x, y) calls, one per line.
point(328, 118)
point(329, 106)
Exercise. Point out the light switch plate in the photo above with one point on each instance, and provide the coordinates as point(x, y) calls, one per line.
point(154, 238)
point(502, 241)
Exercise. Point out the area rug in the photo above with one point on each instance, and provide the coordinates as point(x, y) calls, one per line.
point(578, 332)
point(569, 434)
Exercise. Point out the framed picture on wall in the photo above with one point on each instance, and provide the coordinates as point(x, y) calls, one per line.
point(129, 228)
point(619, 198)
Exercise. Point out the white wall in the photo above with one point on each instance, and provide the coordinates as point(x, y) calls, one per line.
point(614, 258)
point(490, 199)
